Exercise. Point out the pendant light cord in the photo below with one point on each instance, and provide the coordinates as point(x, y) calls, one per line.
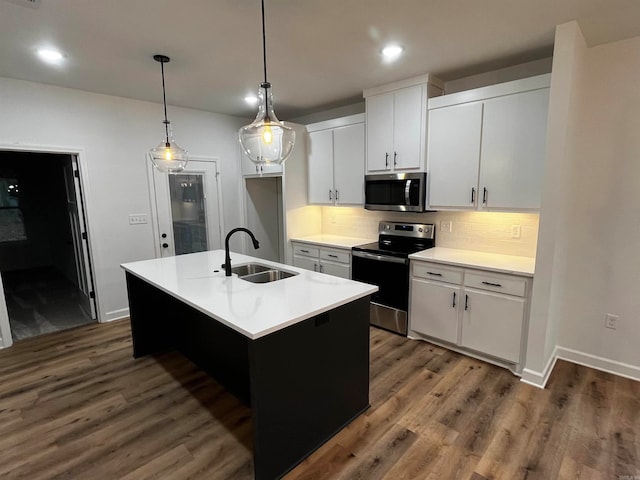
point(264, 45)
point(164, 100)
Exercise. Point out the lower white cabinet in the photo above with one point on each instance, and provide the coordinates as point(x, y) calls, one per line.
point(472, 310)
point(333, 261)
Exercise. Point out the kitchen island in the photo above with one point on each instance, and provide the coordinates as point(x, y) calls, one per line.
point(296, 350)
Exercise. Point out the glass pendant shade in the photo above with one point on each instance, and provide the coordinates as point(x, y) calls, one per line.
point(267, 140)
point(168, 157)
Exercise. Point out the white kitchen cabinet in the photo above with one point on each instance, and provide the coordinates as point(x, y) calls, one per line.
point(336, 161)
point(486, 147)
point(454, 155)
point(478, 312)
point(250, 169)
point(492, 323)
point(514, 130)
point(332, 261)
point(396, 124)
point(434, 309)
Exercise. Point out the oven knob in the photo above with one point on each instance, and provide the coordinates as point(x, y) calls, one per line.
point(420, 230)
point(387, 227)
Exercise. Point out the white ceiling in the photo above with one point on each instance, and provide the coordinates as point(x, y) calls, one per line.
point(321, 53)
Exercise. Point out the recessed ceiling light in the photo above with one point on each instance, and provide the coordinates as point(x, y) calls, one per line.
point(50, 55)
point(391, 52)
point(251, 99)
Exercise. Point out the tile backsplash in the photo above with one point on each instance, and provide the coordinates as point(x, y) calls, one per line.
point(480, 231)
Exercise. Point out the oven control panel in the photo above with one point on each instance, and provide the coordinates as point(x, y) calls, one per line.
point(415, 230)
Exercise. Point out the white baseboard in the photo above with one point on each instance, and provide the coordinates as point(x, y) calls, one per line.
point(539, 379)
point(599, 363)
point(115, 315)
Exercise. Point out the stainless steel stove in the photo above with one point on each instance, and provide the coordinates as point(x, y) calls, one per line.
point(385, 263)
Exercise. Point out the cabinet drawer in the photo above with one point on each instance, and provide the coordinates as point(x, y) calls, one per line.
point(495, 282)
point(306, 250)
point(437, 272)
point(339, 256)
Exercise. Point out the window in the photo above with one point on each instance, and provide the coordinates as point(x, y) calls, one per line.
point(11, 222)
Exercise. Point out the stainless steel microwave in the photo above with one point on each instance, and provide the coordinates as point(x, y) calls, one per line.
point(399, 192)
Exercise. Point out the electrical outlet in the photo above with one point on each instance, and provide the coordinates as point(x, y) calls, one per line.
point(446, 226)
point(611, 321)
point(515, 231)
point(137, 218)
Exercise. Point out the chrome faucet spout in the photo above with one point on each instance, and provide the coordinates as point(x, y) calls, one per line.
point(227, 257)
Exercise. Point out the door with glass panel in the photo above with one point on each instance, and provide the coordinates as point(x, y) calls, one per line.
point(187, 209)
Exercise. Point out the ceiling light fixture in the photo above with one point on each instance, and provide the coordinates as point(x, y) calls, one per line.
point(167, 157)
point(391, 52)
point(251, 99)
point(266, 139)
point(50, 56)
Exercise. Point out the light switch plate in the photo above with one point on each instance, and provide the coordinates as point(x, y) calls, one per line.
point(138, 218)
point(446, 226)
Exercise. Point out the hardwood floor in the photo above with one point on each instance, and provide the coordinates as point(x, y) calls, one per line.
point(76, 405)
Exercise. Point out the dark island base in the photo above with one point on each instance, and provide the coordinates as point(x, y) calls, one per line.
point(304, 383)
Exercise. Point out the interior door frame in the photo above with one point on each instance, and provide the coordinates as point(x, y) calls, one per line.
point(153, 206)
point(80, 154)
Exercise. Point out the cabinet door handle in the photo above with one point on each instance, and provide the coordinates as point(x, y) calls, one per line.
point(337, 195)
point(484, 195)
point(315, 267)
point(386, 160)
point(330, 195)
point(466, 302)
point(321, 267)
point(304, 251)
point(435, 274)
point(332, 256)
point(473, 195)
point(453, 303)
point(395, 157)
point(492, 284)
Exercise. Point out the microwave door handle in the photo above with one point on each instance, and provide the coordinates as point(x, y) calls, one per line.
point(407, 189)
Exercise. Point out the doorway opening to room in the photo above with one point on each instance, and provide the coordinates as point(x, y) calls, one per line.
point(45, 265)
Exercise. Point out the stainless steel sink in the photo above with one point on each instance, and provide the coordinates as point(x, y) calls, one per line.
point(268, 276)
point(250, 269)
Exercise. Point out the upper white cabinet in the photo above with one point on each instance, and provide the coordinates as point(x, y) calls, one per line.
point(486, 146)
point(250, 169)
point(336, 161)
point(397, 123)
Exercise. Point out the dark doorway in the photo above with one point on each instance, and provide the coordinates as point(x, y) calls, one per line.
point(41, 261)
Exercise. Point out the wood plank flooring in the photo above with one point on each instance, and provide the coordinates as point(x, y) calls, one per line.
point(76, 405)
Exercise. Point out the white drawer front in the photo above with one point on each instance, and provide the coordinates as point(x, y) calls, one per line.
point(333, 255)
point(495, 282)
point(306, 250)
point(434, 271)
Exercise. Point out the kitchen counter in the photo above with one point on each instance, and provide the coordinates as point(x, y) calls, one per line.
point(335, 241)
point(240, 304)
point(295, 350)
point(512, 264)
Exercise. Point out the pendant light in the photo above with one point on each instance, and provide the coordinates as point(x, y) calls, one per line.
point(167, 157)
point(266, 140)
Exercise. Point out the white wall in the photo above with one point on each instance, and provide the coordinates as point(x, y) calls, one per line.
point(588, 261)
point(549, 280)
point(603, 251)
point(114, 135)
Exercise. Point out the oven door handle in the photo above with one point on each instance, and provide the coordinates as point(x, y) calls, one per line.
point(379, 258)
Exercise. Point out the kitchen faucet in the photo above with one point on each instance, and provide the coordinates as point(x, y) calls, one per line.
point(227, 257)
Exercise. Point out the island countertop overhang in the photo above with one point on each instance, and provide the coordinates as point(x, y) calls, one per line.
point(254, 310)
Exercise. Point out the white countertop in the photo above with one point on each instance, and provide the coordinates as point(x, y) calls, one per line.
point(486, 261)
point(336, 241)
point(255, 310)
